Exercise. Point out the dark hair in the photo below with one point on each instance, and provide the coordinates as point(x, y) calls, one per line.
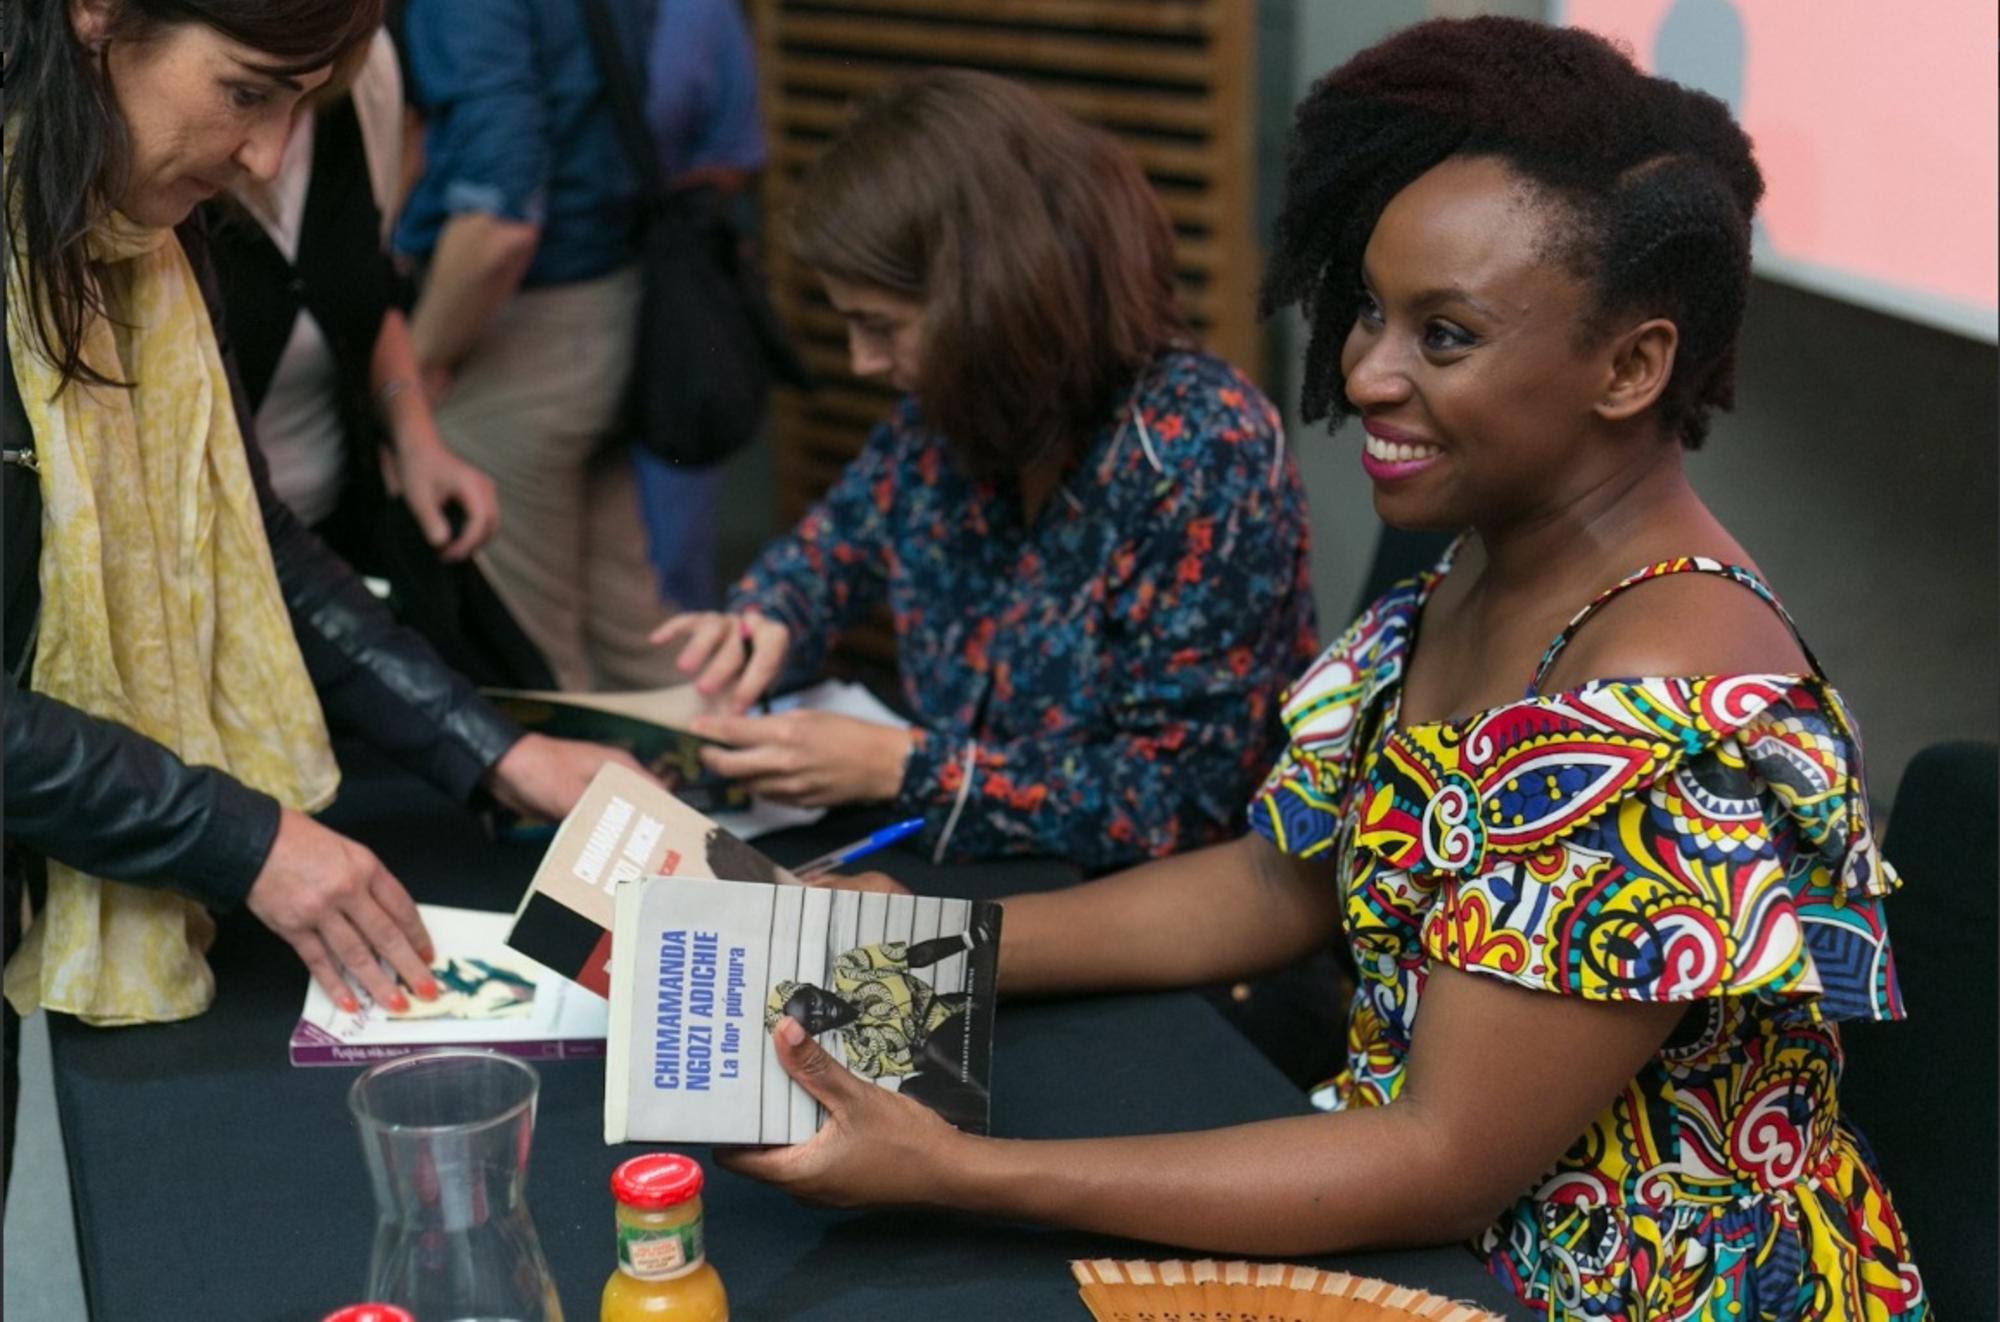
point(1654, 182)
point(69, 147)
point(1044, 259)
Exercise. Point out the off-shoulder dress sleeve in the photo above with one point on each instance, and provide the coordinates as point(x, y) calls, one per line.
point(1651, 840)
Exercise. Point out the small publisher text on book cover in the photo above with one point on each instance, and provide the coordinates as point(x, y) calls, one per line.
point(624, 827)
point(897, 988)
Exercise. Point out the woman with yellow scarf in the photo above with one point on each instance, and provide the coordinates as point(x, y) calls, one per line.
point(174, 639)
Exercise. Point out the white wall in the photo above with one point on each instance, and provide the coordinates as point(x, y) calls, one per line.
point(1860, 469)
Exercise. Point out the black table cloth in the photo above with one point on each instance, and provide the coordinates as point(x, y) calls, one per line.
point(213, 1181)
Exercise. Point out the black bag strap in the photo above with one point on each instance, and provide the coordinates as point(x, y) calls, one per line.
point(656, 201)
point(622, 87)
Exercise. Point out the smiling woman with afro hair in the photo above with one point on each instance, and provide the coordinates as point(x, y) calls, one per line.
point(1585, 810)
point(1653, 186)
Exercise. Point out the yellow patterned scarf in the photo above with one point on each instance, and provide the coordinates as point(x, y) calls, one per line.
point(160, 610)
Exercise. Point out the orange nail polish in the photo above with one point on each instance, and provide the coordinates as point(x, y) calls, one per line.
point(399, 1003)
point(349, 1004)
point(427, 990)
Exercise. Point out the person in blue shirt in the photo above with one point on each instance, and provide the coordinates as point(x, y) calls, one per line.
point(524, 228)
point(701, 103)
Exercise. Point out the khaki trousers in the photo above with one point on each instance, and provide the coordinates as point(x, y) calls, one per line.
point(533, 407)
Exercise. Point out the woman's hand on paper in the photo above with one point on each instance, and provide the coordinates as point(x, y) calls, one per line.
point(875, 1148)
point(740, 653)
point(544, 777)
point(811, 758)
point(335, 903)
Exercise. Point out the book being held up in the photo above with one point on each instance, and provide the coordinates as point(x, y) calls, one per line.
point(898, 988)
point(714, 942)
point(624, 827)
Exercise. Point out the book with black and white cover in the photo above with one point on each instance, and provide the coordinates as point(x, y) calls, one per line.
point(898, 988)
point(490, 995)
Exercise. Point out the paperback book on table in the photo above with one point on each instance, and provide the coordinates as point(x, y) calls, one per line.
point(490, 996)
point(624, 827)
point(898, 988)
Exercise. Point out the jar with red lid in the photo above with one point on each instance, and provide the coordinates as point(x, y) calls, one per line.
point(663, 1268)
point(370, 1313)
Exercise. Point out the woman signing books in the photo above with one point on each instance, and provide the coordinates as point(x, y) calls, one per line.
point(1087, 528)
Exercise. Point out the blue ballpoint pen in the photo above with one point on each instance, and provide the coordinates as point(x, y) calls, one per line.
point(861, 848)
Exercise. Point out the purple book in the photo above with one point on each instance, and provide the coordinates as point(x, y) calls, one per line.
point(492, 996)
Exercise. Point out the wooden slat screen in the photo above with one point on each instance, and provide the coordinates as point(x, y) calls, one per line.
point(1171, 78)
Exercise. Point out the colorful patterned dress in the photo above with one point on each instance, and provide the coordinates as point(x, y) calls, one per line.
point(1701, 840)
point(1100, 685)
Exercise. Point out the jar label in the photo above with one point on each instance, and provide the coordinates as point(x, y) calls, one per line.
point(654, 1255)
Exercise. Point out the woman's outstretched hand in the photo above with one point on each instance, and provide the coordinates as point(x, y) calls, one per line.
point(876, 1147)
point(740, 653)
point(544, 777)
point(341, 910)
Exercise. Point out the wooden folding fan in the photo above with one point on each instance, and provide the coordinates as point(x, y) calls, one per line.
point(1211, 1291)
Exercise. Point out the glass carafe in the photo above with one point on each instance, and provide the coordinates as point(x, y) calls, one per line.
point(446, 1136)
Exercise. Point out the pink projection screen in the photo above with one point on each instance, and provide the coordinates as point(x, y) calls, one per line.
point(1875, 123)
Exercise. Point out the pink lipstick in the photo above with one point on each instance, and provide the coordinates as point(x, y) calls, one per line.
point(1389, 454)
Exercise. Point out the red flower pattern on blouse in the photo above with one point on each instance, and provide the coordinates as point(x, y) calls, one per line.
point(1109, 669)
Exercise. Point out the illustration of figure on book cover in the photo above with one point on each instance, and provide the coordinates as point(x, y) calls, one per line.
point(894, 1027)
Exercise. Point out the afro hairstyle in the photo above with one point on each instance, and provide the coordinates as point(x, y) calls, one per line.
point(1654, 186)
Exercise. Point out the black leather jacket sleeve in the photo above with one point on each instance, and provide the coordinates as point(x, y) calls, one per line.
point(373, 675)
point(104, 798)
point(109, 801)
